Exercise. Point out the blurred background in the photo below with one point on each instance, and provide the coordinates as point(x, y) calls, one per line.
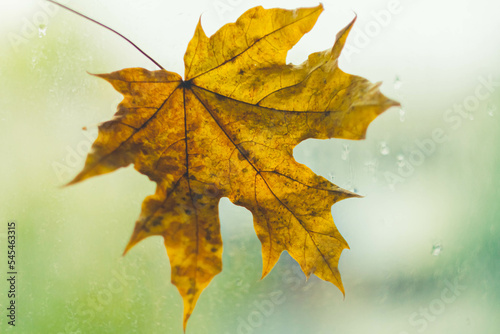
point(424, 240)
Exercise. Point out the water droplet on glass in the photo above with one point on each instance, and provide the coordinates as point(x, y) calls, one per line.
point(42, 30)
point(402, 114)
point(345, 152)
point(436, 249)
point(400, 160)
point(491, 109)
point(384, 149)
point(371, 165)
point(34, 61)
point(349, 186)
point(331, 176)
point(397, 83)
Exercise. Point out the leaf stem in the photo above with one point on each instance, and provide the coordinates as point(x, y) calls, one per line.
point(104, 26)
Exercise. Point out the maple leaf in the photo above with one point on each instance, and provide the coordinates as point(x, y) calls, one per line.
point(228, 130)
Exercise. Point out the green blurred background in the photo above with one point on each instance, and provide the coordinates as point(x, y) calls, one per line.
point(424, 241)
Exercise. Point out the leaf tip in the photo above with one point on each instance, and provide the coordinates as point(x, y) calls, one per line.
point(340, 286)
point(137, 236)
point(341, 38)
point(269, 261)
point(349, 194)
point(393, 103)
point(77, 179)
point(184, 323)
point(265, 272)
point(94, 74)
point(199, 29)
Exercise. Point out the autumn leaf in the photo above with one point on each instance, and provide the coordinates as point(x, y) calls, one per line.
point(228, 130)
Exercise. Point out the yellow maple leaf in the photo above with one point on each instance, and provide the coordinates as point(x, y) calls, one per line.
point(228, 130)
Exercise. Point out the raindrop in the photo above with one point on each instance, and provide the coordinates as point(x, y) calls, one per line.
point(349, 186)
point(436, 249)
point(402, 114)
point(345, 152)
point(371, 165)
point(331, 176)
point(400, 160)
point(42, 30)
point(491, 109)
point(34, 62)
point(384, 149)
point(397, 82)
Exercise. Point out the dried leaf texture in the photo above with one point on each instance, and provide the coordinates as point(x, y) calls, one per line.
point(228, 130)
